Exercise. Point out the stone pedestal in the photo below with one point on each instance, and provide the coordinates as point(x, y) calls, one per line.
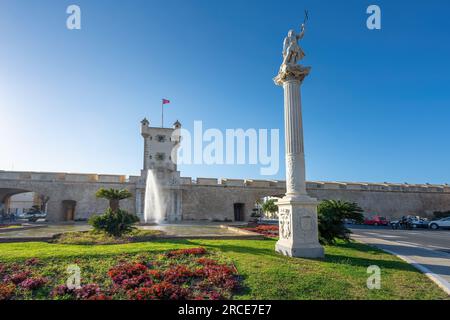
point(297, 211)
point(298, 228)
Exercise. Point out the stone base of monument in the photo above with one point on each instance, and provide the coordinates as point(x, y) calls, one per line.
point(298, 227)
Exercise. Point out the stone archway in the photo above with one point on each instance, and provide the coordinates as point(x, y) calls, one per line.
point(7, 194)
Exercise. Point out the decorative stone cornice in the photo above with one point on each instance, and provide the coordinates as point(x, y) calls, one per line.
point(289, 72)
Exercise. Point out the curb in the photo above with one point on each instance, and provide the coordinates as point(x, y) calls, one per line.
point(441, 282)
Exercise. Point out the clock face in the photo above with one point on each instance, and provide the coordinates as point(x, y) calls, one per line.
point(160, 138)
point(160, 156)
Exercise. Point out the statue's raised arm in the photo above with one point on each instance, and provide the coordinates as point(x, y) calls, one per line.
point(302, 32)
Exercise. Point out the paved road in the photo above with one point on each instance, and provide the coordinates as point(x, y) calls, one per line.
point(435, 240)
point(427, 250)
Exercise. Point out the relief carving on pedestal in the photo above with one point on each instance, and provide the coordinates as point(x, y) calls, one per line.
point(290, 185)
point(285, 223)
point(306, 223)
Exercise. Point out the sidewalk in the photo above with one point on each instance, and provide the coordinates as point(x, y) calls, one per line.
point(434, 264)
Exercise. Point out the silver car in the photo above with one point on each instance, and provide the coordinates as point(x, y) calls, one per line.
point(443, 223)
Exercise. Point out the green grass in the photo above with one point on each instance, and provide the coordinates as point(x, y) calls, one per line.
point(13, 226)
point(267, 275)
point(95, 237)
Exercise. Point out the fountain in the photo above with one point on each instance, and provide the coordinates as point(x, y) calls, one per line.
point(155, 205)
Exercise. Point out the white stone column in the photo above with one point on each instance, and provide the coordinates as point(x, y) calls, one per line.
point(297, 211)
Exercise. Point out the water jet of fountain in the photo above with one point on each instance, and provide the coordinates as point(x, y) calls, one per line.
point(155, 206)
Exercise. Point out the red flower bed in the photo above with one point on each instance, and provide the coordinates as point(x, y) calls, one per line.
point(17, 278)
point(32, 262)
point(265, 229)
point(219, 275)
point(175, 275)
point(159, 291)
point(185, 252)
point(129, 275)
point(178, 274)
point(207, 280)
point(7, 291)
point(86, 292)
point(33, 283)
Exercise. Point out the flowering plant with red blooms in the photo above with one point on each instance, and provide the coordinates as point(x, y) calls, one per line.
point(206, 261)
point(130, 275)
point(267, 230)
point(159, 291)
point(61, 290)
point(185, 252)
point(156, 274)
point(33, 283)
point(32, 262)
point(7, 291)
point(178, 274)
point(219, 275)
point(17, 278)
point(175, 275)
point(88, 291)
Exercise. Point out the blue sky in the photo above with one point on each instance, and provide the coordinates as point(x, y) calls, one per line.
point(376, 105)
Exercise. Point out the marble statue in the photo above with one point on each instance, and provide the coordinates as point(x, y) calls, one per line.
point(292, 52)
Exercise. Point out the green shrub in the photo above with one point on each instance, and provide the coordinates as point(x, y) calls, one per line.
point(114, 223)
point(331, 215)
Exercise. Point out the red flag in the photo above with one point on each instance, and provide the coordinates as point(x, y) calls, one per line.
point(165, 101)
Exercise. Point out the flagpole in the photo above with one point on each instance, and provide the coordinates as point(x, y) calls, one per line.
point(162, 113)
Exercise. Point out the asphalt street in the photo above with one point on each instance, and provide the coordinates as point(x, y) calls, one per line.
point(426, 250)
point(438, 240)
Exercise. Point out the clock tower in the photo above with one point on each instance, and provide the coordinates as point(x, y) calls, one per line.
point(160, 145)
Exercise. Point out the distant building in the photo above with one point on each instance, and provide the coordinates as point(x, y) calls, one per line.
point(23, 202)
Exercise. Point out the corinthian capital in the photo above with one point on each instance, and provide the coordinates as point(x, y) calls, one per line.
point(291, 72)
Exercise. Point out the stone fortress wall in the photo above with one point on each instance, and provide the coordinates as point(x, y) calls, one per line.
point(207, 198)
point(61, 187)
point(215, 199)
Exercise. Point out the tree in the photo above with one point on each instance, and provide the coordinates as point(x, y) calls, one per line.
point(114, 196)
point(331, 215)
point(114, 221)
point(270, 207)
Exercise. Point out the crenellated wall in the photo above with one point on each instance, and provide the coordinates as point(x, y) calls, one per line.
point(388, 199)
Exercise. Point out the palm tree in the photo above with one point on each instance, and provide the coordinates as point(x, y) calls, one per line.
point(331, 215)
point(270, 207)
point(114, 196)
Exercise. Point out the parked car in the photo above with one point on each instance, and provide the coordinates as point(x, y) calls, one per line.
point(410, 222)
point(420, 223)
point(34, 215)
point(376, 221)
point(443, 223)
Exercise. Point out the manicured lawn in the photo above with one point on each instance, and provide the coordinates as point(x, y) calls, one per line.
point(12, 226)
point(266, 274)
